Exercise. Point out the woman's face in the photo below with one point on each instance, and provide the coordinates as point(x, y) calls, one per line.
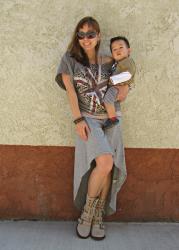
point(89, 38)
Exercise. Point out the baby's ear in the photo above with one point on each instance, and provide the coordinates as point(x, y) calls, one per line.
point(129, 51)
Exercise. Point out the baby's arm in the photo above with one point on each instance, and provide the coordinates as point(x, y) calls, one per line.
point(126, 64)
point(121, 78)
point(124, 73)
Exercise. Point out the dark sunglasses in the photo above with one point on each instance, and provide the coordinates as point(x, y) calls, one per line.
point(90, 35)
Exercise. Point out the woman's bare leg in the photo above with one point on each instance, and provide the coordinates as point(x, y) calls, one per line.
point(99, 180)
point(98, 228)
point(105, 187)
point(98, 186)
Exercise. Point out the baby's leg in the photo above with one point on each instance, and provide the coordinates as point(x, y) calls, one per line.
point(109, 99)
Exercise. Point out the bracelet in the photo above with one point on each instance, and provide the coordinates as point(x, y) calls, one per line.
point(79, 119)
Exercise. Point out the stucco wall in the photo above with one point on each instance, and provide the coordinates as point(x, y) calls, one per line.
point(35, 34)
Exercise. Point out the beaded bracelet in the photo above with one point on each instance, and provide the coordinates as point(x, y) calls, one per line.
point(79, 119)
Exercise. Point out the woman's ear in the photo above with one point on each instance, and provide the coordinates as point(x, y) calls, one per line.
point(99, 36)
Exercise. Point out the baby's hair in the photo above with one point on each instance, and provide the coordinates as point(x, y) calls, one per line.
point(116, 38)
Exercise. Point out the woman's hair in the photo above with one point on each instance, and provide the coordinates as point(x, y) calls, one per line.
point(74, 47)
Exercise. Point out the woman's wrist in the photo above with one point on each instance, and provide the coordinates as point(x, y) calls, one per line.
point(79, 119)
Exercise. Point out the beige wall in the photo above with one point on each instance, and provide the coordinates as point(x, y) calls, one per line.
point(34, 35)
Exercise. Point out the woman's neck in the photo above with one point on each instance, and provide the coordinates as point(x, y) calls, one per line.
point(91, 56)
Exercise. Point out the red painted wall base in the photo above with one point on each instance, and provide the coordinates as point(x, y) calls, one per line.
point(36, 182)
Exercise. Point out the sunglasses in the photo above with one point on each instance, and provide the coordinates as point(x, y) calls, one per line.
point(90, 35)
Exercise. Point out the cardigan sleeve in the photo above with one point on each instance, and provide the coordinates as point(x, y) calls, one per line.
point(65, 66)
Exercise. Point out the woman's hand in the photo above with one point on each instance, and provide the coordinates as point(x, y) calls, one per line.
point(123, 91)
point(83, 130)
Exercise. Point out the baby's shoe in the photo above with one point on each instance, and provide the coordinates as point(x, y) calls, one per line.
point(110, 122)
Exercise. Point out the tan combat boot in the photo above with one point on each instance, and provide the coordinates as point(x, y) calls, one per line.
point(84, 222)
point(98, 228)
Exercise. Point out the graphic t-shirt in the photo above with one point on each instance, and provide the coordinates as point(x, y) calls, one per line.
point(90, 83)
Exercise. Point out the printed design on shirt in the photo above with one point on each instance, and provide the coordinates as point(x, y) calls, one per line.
point(90, 91)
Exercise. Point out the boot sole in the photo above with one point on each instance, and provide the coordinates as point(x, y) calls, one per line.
point(80, 236)
point(97, 238)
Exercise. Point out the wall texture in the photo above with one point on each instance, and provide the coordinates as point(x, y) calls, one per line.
point(36, 129)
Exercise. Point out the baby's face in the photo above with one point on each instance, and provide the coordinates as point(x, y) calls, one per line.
point(120, 50)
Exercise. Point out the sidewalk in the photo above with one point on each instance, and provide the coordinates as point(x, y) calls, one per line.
point(60, 235)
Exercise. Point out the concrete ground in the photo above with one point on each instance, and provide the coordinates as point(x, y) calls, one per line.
point(60, 235)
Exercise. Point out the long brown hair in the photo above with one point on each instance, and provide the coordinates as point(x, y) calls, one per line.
point(74, 47)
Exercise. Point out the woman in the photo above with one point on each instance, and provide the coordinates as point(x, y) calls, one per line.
point(99, 170)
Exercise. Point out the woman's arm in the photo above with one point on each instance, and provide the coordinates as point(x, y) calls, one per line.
point(81, 128)
point(123, 92)
point(106, 59)
point(71, 93)
point(123, 89)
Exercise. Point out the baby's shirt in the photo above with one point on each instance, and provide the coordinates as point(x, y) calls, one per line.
point(127, 68)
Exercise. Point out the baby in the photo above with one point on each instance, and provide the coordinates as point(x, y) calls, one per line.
point(123, 71)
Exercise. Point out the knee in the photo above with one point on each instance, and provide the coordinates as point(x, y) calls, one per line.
point(104, 164)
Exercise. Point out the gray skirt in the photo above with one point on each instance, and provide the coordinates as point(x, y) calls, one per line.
point(99, 142)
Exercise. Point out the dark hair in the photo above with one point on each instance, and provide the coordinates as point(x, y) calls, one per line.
point(119, 38)
point(74, 47)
